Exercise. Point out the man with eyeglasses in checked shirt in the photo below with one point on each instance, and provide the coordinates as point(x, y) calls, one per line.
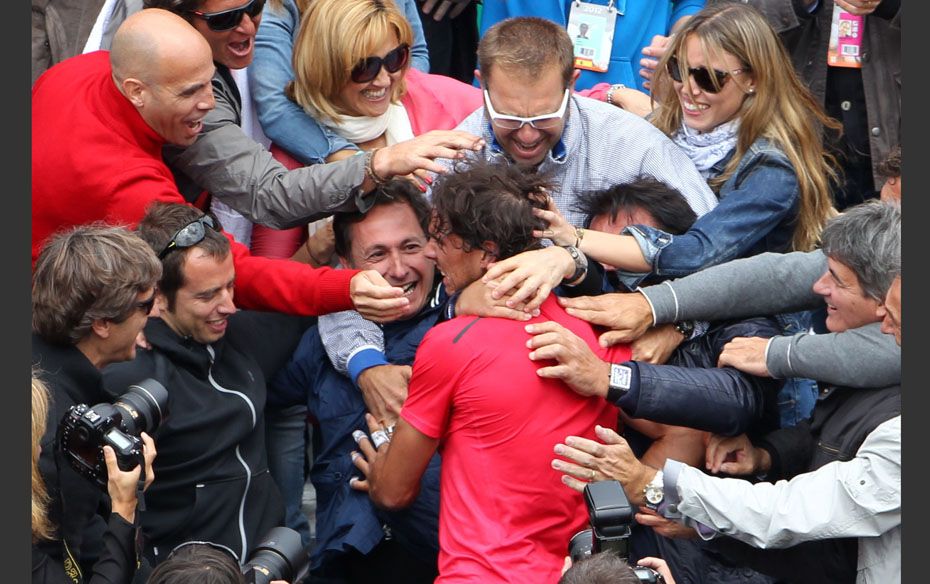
point(213, 479)
point(532, 118)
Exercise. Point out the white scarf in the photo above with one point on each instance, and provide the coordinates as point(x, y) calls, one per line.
point(708, 148)
point(394, 123)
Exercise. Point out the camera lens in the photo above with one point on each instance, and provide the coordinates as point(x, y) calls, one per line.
point(143, 406)
point(278, 556)
point(581, 545)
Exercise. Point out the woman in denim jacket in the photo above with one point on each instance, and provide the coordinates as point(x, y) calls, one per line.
point(729, 97)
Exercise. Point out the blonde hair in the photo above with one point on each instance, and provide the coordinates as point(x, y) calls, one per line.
point(335, 35)
point(780, 109)
point(41, 527)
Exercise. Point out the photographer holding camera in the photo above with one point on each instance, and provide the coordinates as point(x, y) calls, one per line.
point(92, 291)
point(117, 563)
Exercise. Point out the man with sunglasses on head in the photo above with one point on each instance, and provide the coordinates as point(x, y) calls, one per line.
point(213, 480)
point(98, 127)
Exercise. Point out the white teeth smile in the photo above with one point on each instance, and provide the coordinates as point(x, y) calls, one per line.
point(409, 288)
point(375, 93)
point(693, 107)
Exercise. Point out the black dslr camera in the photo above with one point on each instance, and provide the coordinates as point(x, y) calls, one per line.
point(279, 555)
point(84, 430)
point(610, 515)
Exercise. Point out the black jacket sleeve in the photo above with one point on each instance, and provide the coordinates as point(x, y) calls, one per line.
point(122, 546)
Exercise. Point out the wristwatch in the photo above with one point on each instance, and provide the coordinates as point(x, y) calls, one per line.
point(654, 492)
point(581, 263)
point(619, 384)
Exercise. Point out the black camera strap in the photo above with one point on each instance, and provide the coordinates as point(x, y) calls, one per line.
point(140, 486)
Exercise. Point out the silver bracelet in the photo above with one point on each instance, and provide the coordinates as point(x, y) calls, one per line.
point(610, 92)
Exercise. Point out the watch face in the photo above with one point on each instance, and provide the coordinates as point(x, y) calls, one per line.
point(654, 495)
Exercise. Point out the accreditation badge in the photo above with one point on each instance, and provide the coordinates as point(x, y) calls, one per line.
point(591, 28)
point(845, 47)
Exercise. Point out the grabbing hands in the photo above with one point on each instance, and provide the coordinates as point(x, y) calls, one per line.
point(746, 354)
point(384, 389)
point(375, 299)
point(533, 273)
point(628, 315)
point(419, 153)
point(735, 455)
point(593, 461)
point(577, 365)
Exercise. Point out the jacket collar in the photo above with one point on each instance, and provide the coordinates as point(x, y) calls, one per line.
point(183, 352)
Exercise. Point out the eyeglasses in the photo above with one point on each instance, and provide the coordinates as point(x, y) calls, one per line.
point(189, 235)
point(540, 122)
point(369, 68)
point(702, 75)
point(229, 19)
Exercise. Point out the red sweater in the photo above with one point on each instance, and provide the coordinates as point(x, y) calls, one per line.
point(95, 159)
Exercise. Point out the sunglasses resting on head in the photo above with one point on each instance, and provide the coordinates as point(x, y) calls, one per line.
point(189, 235)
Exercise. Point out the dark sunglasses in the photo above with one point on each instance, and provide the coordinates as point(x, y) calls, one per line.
point(702, 75)
point(367, 69)
point(189, 235)
point(230, 19)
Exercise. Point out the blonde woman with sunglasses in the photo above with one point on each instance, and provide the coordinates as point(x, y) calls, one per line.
point(353, 75)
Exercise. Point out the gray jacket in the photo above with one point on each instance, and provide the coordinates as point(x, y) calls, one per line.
point(240, 172)
point(772, 283)
point(60, 30)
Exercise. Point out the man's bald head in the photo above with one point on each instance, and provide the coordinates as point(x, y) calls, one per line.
point(164, 67)
point(150, 40)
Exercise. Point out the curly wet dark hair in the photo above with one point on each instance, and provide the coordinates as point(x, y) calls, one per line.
point(483, 202)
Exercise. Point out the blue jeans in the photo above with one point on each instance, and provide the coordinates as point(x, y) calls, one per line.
point(798, 395)
point(286, 443)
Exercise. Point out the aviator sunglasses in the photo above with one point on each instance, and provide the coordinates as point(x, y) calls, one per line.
point(367, 69)
point(189, 235)
point(702, 75)
point(230, 19)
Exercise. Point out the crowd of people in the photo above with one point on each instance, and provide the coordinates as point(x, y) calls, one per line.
point(466, 269)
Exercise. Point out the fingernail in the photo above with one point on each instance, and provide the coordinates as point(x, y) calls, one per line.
point(530, 329)
point(352, 480)
point(428, 180)
point(354, 455)
point(536, 312)
point(357, 435)
point(559, 449)
point(422, 188)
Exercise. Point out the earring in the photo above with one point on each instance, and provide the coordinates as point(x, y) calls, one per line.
point(752, 90)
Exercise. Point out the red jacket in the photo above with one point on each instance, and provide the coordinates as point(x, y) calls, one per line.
point(95, 159)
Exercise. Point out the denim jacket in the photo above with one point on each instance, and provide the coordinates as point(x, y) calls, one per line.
point(756, 214)
point(285, 123)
